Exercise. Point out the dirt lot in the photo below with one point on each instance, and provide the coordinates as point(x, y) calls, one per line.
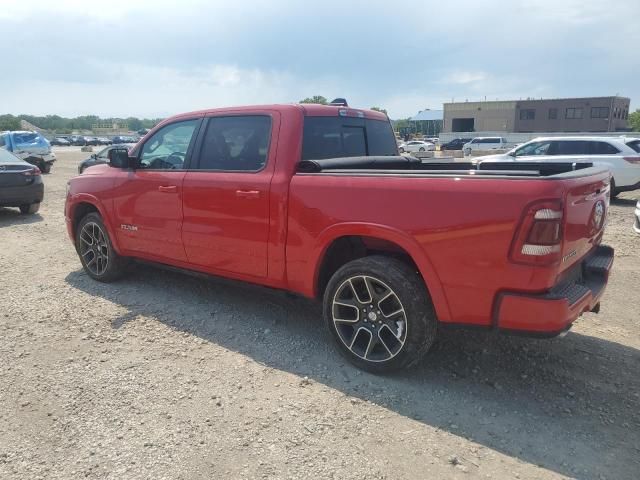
point(162, 375)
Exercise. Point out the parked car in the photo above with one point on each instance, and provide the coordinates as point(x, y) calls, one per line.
point(618, 154)
point(484, 143)
point(20, 184)
point(103, 141)
point(636, 225)
point(99, 158)
point(60, 142)
point(91, 141)
point(77, 140)
point(278, 204)
point(434, 140)
point(31, 147)
point(416, 146)
point(455, 144)
point(120, 139)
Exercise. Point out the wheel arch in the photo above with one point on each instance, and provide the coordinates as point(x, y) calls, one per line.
point(345, 242)
point(82, 205)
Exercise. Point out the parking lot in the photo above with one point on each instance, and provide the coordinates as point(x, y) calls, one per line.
point(163, 375)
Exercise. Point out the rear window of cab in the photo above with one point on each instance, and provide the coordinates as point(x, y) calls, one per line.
point(335, 137)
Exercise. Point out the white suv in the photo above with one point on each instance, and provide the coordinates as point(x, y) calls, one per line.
point(619, 154)
point(484, 143)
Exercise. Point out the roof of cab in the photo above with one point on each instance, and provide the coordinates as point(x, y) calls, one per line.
point(308, 109)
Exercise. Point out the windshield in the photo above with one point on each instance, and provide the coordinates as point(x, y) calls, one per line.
point(24, 139)
point(7, 157)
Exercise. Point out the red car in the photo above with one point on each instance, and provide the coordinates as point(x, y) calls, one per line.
point(315, 200)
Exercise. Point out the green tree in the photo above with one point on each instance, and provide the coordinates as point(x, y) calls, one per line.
point(634, 121)
point(9, 122)
point(378, 109)
point(315, 99)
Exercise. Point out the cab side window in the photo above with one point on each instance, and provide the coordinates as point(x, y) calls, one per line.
point(167, 148)
point(237, 143)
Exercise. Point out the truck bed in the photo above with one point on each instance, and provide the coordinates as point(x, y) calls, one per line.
point(410, 166)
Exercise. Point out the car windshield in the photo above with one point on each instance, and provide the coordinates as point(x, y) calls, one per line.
point(7, 157)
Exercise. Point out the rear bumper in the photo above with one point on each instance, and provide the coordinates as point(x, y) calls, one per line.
point(552, 313)
point(22, 195)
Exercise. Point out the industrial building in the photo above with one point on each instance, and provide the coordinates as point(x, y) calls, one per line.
point(592, 114)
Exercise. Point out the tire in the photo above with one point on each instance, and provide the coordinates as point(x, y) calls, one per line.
point(402, 335)
point(613, 192)
point(99, 260)
point(422, 149)
point(46, 168)
point(30, 208)
point(401, 150)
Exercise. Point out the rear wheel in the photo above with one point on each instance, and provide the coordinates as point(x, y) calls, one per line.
point(422, 149)
point(98, 258)
point(401, 150)
point(613, 192)
point(380, 314)
point(30, 208)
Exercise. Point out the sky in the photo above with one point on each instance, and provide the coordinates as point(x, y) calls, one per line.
point(154, 58)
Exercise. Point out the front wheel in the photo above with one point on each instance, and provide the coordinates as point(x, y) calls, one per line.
point(45, 167)
point(98, 258)
point(422, 149)
point(379, 313)
point(401, 150)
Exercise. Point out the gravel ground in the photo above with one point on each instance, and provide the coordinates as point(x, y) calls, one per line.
point(162, 375)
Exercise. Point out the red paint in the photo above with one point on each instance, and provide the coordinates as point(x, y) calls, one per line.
point(273, 227)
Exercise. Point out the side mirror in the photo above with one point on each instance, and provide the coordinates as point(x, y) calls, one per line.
point(119, 158)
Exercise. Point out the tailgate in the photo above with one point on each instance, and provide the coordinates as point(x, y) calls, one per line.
point(585, 211)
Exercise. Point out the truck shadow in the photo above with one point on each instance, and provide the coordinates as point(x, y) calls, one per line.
point(12, 216)
point(568, 405)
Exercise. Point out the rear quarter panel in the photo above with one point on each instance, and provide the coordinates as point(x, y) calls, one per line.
point(458, 230)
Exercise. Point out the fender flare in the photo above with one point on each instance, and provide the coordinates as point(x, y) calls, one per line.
point(79, 198)
point(383, 232)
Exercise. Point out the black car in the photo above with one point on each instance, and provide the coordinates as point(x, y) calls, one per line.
point(20, 184)
point(60, 142)
point(77, 140)
point(92, 141)
point(104, 141)
point(120, 139)
point(455, 144)
point(99, 158)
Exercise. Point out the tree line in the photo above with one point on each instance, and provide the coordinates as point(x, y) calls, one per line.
point(58, 124)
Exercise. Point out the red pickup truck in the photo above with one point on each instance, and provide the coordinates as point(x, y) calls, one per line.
point(315, 200)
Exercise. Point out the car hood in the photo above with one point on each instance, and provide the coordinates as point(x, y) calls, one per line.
point(98, 169)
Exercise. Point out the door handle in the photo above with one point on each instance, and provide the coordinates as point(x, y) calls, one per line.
point(247, 193)
point(168, 188)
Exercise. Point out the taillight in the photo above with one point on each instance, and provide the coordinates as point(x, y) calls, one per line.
point(34, 172)
point(634, 160)
point(538, 240)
